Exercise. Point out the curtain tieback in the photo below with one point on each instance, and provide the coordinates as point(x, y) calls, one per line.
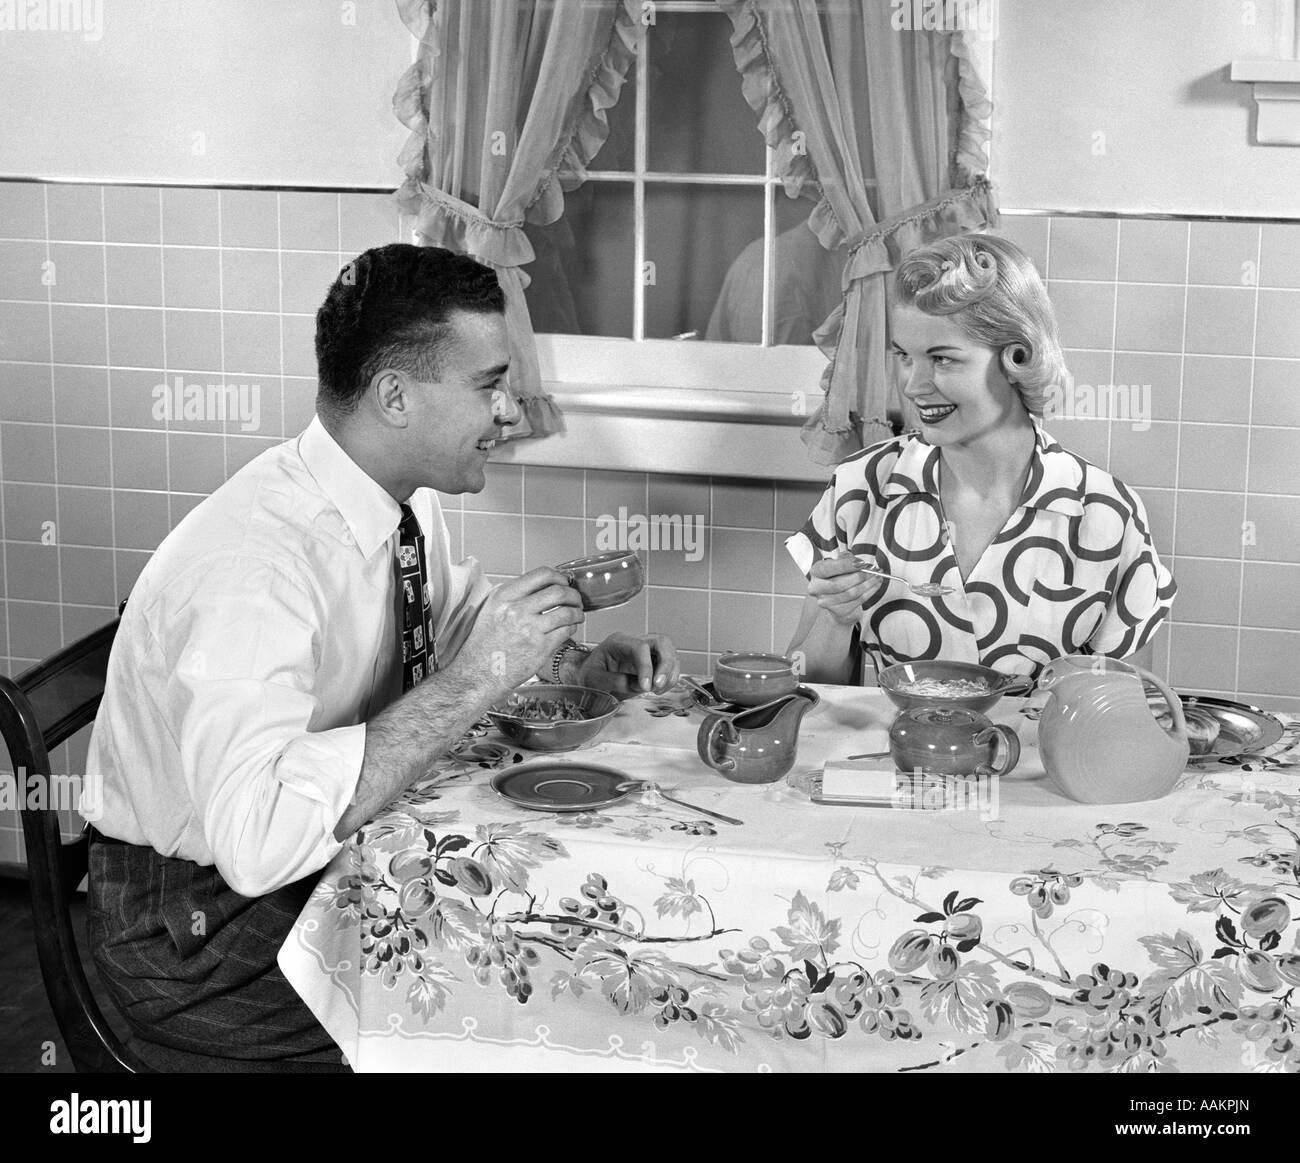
point(445, 220)
point(883, 246)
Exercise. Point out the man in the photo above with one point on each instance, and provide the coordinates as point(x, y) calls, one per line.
point(301, 648)
point(807, 289)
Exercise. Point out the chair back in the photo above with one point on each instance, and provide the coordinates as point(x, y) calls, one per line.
point(42, 708)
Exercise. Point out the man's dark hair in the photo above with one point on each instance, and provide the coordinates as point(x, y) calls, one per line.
point(389, 308)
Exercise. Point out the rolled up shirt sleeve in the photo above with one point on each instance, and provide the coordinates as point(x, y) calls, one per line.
point(821, 535)
point(268, 788)
point(1142, 595)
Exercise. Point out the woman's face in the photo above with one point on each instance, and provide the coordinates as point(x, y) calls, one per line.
point(954, 385)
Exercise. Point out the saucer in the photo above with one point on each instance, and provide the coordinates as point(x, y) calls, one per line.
point(563, 787)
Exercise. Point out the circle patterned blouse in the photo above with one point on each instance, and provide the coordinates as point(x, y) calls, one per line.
point(1073, 571)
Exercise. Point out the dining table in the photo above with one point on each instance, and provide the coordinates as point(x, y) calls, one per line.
point(1017, 930)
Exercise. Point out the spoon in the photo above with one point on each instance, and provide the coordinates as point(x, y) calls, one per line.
point(924, 589)
point(646, 785)
point(699, 692)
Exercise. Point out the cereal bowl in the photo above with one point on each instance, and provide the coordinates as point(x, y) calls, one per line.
point(545, 716)
point(949, 684)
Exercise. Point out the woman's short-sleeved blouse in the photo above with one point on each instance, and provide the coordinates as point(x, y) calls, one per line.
point(1073, 571)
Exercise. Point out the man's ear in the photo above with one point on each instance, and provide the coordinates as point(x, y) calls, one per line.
point(389, 391)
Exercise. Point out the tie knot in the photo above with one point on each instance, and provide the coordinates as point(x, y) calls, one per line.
point(409, 525)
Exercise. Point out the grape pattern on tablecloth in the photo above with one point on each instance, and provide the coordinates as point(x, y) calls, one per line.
point(442, 908)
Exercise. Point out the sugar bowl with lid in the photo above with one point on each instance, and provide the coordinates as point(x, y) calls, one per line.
point(951, 741)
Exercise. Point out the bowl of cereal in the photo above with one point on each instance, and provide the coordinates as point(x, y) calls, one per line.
point(545, 716)
point(937, 683)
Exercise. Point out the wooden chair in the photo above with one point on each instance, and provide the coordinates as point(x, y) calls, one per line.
point(42, 708)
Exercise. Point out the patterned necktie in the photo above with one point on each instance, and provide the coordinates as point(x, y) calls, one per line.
point(419, 657)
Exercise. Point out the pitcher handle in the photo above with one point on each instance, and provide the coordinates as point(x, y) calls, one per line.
point(1012, 756)
point(707, 741)
point(1172, 701)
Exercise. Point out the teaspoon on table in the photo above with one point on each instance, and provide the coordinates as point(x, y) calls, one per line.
point(923, 589)
point(646, 785)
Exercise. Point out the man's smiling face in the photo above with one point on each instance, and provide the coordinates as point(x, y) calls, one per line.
point(454, 420)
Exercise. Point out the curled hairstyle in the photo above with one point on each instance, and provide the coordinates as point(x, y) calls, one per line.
point(390, 308)
point(992, 288)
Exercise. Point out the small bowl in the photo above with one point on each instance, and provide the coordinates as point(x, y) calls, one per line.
point(605, 580)
point(754, 679)
point(554, 734)
point(998, 684)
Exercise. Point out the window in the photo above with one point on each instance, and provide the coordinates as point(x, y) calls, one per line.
point(682, 237)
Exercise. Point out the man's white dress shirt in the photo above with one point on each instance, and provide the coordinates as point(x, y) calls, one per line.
point(258, 641)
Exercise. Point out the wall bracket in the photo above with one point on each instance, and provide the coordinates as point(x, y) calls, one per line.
point(1276, 89)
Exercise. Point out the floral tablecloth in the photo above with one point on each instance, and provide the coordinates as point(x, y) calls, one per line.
point(460, 932)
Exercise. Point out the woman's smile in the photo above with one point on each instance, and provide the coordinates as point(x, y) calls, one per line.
point(935, 413)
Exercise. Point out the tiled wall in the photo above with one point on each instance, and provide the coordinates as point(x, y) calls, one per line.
point(105, 293)
point(1207, 314)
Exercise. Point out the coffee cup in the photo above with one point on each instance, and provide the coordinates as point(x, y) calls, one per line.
point(605, 579)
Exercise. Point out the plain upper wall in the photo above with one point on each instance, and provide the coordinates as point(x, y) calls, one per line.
point(289, 93)
point(283, 93)
point(1151, 76)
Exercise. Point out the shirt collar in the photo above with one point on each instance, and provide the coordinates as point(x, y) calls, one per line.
point(370, 514)
point(1055, 483)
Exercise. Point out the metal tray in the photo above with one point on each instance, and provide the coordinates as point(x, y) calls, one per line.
point(1243, 729)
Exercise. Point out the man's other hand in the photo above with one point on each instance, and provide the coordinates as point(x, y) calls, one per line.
point(626, 665)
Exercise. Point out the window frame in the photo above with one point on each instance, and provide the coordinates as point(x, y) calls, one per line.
point(612, 389)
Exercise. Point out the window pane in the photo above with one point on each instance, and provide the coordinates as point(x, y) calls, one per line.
point(699, 120)
point(806, 286)
point(582, 274)
point(695, 235)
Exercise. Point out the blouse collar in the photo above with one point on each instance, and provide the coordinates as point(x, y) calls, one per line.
point(1056, 481)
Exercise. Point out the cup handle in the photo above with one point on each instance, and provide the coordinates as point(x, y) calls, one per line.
point(1012, 756)
point(707, 743)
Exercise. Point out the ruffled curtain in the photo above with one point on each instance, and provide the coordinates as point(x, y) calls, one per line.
point(506, 105)
point(843, 96)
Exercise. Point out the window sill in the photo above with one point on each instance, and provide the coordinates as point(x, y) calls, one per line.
point(656, 406)
point(682, 431)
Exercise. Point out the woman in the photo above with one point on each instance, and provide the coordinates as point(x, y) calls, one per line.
point(1046, 554)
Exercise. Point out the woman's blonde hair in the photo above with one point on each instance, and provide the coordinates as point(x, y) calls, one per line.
point(992, 288)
